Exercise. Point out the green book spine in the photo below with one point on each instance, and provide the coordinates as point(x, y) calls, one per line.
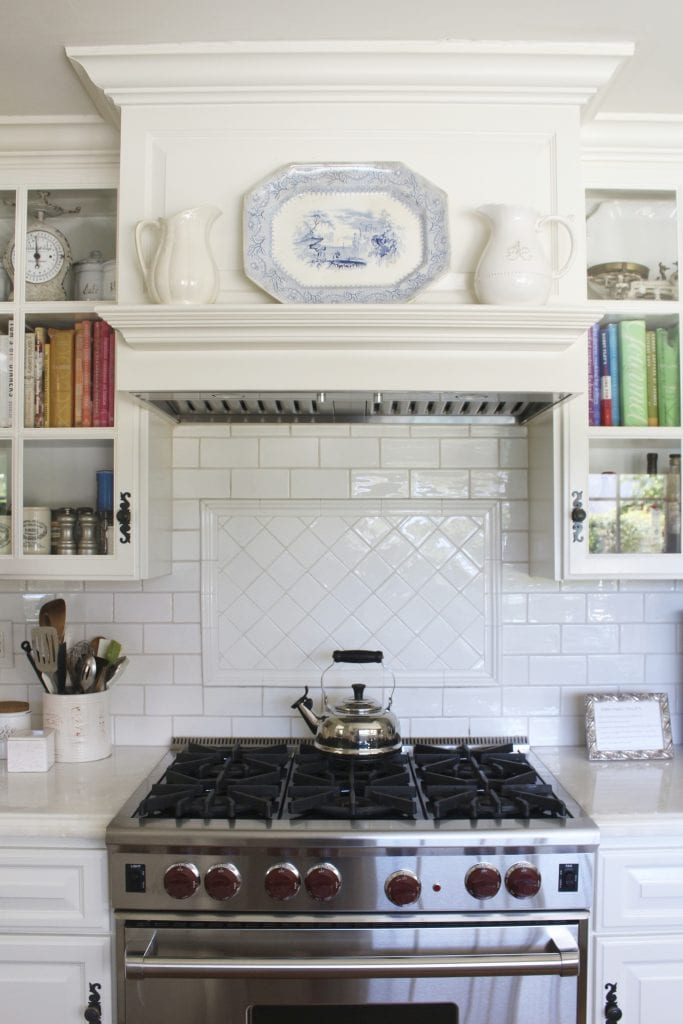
point(669, 377)
point(633, 372)
point(651, 359)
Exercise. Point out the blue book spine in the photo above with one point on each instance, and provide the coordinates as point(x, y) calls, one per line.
point(612, 334)
point(594, 376)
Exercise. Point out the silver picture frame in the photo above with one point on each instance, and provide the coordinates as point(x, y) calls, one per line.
point(628, 727)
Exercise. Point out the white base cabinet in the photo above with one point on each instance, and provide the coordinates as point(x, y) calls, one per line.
point(55, 936)
point(638, 931)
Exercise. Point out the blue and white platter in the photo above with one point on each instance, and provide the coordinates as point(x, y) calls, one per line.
point(346, 232)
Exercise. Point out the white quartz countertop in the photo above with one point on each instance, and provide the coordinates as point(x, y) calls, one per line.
point(621, 795)
point(71, 801)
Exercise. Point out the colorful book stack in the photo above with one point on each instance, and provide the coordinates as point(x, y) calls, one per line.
point(634, 375)
point(69, 376)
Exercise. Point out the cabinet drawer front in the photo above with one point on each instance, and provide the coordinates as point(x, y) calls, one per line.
point(55, 889)
point(640, 889)
point(648, 973)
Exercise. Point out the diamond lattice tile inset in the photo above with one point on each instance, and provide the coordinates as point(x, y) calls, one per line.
point(285, 584)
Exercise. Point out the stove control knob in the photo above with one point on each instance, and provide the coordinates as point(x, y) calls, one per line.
point(403, 888)
point(222, 881)
point(282, 881)
point(523, 880)
point(181, 880)
point(323, 882)
point(483, 881)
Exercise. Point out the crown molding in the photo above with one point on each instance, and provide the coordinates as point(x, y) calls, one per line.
point(116, 77)
point(633, 138)
point(66, 141)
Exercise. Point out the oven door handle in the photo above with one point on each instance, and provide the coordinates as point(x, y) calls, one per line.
point(562, 958)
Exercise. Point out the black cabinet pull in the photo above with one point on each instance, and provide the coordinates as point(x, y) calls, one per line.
point(93, 1011)
point(612, 1011)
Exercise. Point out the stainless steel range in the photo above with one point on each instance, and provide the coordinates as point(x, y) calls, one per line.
point(259, 882)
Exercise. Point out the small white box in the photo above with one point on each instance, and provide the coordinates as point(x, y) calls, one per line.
point(31, 750)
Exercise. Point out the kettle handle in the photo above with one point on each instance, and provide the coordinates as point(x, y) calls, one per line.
point(553, 218)
point(358, 657)
point(146, 269)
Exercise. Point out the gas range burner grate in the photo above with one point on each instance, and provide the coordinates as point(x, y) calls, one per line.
point(493, 783)
point(219, 782)
point(351, 789)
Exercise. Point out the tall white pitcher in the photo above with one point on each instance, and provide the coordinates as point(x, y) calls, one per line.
point(514, 268)
point(180, 268)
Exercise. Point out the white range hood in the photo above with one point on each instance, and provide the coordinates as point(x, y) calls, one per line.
point(484, 121)
point(423, 360)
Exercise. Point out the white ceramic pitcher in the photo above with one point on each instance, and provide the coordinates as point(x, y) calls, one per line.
point(514, 268)
point(181, 269)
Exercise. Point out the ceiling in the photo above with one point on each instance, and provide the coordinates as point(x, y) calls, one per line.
point(37, 80)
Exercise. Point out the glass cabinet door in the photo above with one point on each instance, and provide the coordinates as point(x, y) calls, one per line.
point(625, 431)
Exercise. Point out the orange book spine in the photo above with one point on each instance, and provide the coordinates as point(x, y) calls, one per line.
point(61, 377)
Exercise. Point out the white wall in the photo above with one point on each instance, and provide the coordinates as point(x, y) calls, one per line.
point(557, 641)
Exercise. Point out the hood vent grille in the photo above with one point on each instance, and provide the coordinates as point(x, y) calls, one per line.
point(349, 407)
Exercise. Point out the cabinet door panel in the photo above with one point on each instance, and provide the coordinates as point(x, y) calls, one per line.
point(48, 979)
point(648, 973)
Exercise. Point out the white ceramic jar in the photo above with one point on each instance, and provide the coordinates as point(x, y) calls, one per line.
point(15, 716)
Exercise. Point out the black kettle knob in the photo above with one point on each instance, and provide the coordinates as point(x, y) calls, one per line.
point(358, 690)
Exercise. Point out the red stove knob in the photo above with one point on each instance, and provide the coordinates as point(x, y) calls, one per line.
point(403, 888)
point(222, 881)
point(181, 880)
point(523, 880)
point(323, 882)
point(482, 881)
point(282, 881)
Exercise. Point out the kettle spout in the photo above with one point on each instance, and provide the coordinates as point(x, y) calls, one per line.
point(304, 705)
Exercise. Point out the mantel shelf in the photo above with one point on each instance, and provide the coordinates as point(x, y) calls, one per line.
point(339, 327)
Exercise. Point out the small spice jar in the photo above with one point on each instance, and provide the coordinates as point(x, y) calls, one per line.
point(15, 716)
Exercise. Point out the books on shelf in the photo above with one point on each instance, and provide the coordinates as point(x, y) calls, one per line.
point(7, 376)
point(69, 375)
point(634, 375)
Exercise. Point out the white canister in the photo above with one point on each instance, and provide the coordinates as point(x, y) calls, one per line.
point(109, 280)
point(88, 278)
point(15, 716)
point(82, 725)
point(37, 530)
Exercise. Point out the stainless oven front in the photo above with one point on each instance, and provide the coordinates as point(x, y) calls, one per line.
point(451, 969)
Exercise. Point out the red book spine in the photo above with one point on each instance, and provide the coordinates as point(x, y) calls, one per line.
point(87, 374)
point(97, 371)
point(605, 382)
point(112, 376)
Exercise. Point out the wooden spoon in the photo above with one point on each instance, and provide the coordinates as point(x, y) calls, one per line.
point(53, 613)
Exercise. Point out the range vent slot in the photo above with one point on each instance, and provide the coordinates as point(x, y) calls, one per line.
point(349, 407)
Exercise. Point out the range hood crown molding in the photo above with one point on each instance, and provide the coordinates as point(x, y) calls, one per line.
point(419, 326)
point(464, 71)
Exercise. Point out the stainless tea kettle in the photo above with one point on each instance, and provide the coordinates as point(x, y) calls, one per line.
point(358, 727)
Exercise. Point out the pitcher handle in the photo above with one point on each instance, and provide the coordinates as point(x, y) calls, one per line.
point(146, 269)
point(555, 218)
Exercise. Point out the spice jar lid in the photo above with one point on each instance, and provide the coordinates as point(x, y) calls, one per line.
point(13, 707)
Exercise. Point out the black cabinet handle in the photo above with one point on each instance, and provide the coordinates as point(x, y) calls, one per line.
point(612, 1011)
point(93, 1011)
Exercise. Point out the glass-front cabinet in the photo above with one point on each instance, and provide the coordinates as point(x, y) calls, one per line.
point(623, 443)
point(74, 496)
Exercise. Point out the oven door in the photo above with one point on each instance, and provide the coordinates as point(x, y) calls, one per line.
point(346, 972)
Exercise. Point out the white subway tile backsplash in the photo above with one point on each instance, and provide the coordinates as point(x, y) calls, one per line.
point(553, 643)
